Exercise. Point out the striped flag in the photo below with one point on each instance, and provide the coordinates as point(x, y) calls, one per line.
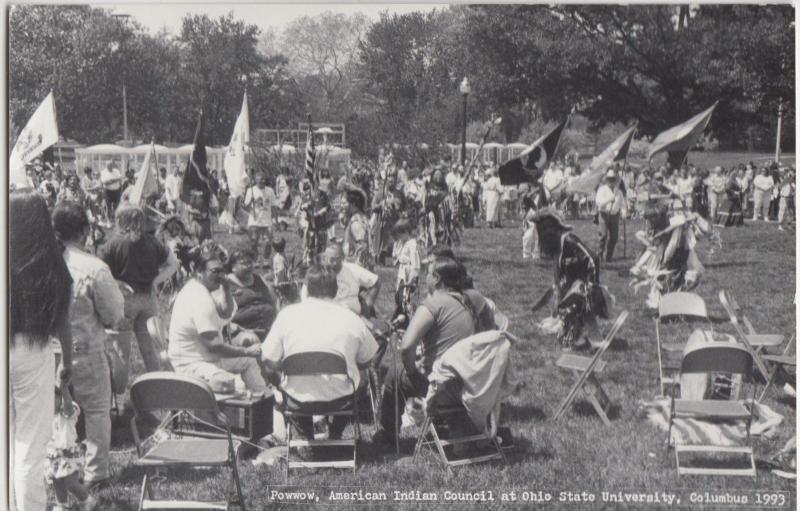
point(146, 179)
point(310, 155)
point(589, 181)
point(677, 140)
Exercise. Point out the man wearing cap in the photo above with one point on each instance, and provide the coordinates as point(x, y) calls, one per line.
point(610, 204)
point(356, 234)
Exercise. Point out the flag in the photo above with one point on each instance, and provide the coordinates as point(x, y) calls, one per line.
point(195, 178)
point(679, 139)
point(235, 169)
point(530, 163)
point(310, 155)
point(40, 133)
point(616, 151)
point(146, 179)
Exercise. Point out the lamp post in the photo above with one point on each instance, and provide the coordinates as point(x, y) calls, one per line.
point(465, 90)
point(123, 18)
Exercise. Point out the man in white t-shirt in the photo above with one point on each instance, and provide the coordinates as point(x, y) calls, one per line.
point(172, 189)
point(260, 202)
point(111, 178)
point(196, 346)
point(762, 194)
point(318, 324)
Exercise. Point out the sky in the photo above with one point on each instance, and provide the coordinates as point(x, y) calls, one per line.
point(155, 16)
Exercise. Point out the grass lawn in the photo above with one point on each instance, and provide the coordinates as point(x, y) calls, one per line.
point(577, 453)
point(709, 159)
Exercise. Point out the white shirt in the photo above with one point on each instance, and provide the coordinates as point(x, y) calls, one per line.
point(260, 201)
point(763, 183)
point(552, 178)
point(194, 313)
point(172, 187)
point(608, 200)
point(349, 281)
point(406, 256)
point(685, 185)
point(319, 325)
point(111, 179)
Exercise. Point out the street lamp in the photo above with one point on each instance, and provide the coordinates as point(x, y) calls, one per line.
point(465, 90)
point(123, 19)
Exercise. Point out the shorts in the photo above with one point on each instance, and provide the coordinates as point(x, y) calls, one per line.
point(63, 462)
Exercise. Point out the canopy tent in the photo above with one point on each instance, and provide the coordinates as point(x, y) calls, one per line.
point(490, 153)
point(96, 156)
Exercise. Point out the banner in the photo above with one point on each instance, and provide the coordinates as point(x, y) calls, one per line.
point(146, 179)
point(679, 139)
point(40, 133)
point(195, 178)
point(531, 162)
point(235, 164)
point(618, 150)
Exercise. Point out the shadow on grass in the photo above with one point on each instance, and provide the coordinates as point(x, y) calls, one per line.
point(730, 264)
point(585, 409)
point(522, 413)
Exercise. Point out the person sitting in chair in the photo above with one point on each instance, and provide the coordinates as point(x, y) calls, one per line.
point(196, 344)
point(319, 324)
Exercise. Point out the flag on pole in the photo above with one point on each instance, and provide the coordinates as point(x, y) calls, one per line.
point(146, 179)
point(195, 178)
point(310, 155)
point(679, 139)
point(40, 133)
point(234, 164)
point(618, 150)
point(531, 162)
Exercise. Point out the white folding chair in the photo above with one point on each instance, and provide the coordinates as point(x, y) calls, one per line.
point(586, 368)
point(759, 341)
point(709, 358)
point(679, 308)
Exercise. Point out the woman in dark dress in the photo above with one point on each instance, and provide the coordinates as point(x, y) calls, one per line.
point(730, 211)
point(579, 297)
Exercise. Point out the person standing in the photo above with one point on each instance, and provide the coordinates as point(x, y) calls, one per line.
point(112, 180)
point(97, 304)
point(260, 202)
point(716, 189)
point(491, 192)
point(140, 262)
point(357, 233)
point(38, 309)
point(762, 194)
point(786, 192)
point(610, 205)
point(172, 189)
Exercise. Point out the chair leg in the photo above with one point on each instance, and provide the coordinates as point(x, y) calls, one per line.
point(421, 438)
point(144, 490)
point(288, 426)
point(237, 482)
point(439, 446)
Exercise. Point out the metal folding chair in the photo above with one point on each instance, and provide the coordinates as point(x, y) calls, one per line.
point(318, 363)
point(780, 363)
point(676, 308)
point(586, 368)
point(743, 337)
point(714, 357)
point(759, 341)
point(180, 396)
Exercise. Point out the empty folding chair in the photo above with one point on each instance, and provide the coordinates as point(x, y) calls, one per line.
point(683, 310)
point(180, 396)
point(710, 358)
point(309, 364)
point(779, 363)
point(758, 341)
point(743, 338)
point(586, 368)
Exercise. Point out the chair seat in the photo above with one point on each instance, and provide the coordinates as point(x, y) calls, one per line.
point(765, 340)
point(342, 405)
point(711, 409)
point(578, 363)
point(786, 360)
point(194, 451)
point(673, 346)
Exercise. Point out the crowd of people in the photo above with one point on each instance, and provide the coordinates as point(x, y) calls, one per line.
point(90, 268)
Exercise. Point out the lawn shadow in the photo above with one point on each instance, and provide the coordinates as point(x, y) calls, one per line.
point(619, 344)
point(585, 409)
point(523, 413)
point(730, 264)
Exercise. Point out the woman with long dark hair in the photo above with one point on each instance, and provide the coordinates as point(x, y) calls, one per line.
point(39, 297)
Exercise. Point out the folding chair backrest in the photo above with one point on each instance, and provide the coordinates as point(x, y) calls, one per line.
point(163, 390)
point(314, 363)
point(682, 306)
point(726, 304)
point(718, 357)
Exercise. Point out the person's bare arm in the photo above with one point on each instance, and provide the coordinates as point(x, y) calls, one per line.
point(167, 269)
point(421, 322)
point(214, 344)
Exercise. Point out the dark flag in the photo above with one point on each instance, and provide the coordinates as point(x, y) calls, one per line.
point(195, 178)
point(530, 164)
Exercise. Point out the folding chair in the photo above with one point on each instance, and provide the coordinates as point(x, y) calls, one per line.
point(676, 308)
point(318, 363)
point(714, 357)
point(586, 368)
point(743, 337)
point(780, 363)
point(758, 341)
point(181, 396)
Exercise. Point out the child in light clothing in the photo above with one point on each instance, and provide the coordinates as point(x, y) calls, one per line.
point(406, 257)
point(786, 194)
point(280, 271)
point(64, 457)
